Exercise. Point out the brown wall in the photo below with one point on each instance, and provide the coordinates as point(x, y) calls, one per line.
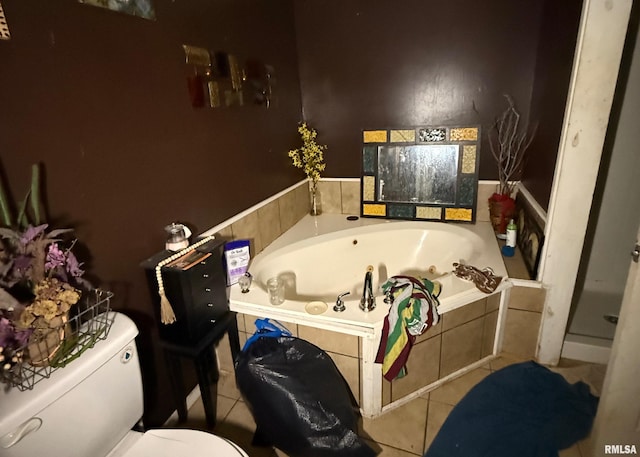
point(558, 34)
point(101, 99)
point(367, 65)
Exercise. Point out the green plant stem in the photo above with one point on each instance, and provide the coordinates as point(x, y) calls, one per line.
point(7, 220)
point(36, 201)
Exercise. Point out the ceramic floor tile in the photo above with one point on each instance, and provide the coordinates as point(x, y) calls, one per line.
point(573, 451)
point(227, 385)
point(452, 392)
point(438, 413)
point(590, 373)
point(402, 428)
point(388, 451)
point(239, 427)
point(196, 418)
point(505, 359)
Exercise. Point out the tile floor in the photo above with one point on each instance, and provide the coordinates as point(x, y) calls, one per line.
point(404, 432)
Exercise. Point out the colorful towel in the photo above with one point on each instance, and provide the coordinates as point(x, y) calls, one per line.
point(413, 311)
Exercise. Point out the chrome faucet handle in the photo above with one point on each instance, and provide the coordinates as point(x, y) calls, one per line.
point(339, 306)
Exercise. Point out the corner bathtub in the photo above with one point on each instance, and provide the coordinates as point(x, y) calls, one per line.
point(322, 257)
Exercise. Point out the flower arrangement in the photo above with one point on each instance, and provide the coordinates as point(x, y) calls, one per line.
point(40, 281)
point(310, 156)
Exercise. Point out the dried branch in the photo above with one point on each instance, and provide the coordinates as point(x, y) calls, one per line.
point(508, 144)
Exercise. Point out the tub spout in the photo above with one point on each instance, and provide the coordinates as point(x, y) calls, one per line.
point(368, 301)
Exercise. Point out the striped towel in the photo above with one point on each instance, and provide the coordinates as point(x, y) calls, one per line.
point(413, 311)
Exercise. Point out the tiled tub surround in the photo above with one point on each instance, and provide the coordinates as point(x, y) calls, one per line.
point(267, 220)
point(465, 338)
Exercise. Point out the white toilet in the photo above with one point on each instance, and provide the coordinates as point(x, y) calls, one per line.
point(88, 408)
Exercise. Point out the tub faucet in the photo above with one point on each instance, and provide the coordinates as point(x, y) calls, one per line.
point(368, 301)
point(339, 306)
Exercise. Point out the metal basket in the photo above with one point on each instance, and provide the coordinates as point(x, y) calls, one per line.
point(88, 323)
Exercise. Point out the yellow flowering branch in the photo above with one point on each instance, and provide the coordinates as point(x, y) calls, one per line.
point(310, 156)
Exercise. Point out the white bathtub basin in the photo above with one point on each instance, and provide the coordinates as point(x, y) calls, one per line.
point(321, 257)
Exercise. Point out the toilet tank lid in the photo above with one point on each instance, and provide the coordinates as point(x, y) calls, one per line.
point(17, 407)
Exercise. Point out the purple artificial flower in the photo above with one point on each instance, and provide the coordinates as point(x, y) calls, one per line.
point(31, 233)
point(55, 257)
point(22, 263)
point(10, 337)
point(73, 267)
point(22, 336)
point(6, 332)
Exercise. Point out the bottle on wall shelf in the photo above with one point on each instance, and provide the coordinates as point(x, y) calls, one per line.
point(512, 233)
point(509, 249)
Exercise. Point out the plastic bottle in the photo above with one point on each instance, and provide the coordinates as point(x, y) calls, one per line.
point(512, 232)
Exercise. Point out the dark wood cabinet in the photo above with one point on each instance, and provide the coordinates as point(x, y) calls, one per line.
point(195, 285)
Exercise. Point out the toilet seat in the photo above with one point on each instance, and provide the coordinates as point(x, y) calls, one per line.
point(176, 442)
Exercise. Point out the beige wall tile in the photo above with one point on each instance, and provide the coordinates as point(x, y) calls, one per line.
point(463, 314)
point(269, 222)
point(249, 228)
point(452, 392)
point(349, 367)
point(330, 196)
point(350, 197)
point(527, 298)
point(461, 346)
point(489, 333)
point(249, 323)
point(402, 428)
point(386, 392)
point(423, 367)
point(521, 332)
point(482, 210)
point(225, 234)
point(339, 343)
point(287, 209)
point(223, 352)
point(302, 201)
point(431, 332)
point(438, 413)
point(493, 302)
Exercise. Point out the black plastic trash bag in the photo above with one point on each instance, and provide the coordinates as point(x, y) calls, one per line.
point(299, 400)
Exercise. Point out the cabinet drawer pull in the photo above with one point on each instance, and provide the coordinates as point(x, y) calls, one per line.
point(213, 321)
point(210, 305)
point(205, 275)
point(207, 289)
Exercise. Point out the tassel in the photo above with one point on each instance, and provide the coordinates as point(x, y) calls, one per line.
point(166, 311)
point(167, 316)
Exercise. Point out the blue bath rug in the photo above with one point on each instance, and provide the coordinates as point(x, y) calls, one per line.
point(523, 410)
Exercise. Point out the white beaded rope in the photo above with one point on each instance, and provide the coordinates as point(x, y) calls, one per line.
point(167, 316)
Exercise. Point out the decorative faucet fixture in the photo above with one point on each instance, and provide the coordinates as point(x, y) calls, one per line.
point(339, 306)
point(368, 301)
